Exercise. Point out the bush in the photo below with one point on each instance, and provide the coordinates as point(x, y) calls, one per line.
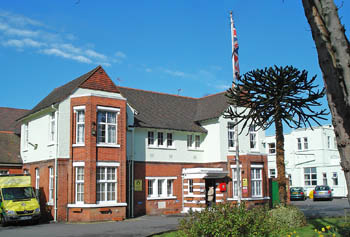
point(287, 218)
point(232, 220)
point(227, 220)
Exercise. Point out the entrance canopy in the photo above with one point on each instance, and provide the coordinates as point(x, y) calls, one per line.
point(204, 173)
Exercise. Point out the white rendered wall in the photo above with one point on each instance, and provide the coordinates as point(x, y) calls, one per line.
point(318, 155)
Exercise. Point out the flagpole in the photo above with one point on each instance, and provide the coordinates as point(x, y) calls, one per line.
point(235, 68)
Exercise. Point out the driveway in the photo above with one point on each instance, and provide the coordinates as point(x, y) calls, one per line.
point(313, 209)
point(141, 226)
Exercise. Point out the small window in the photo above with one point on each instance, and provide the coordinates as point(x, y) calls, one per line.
point(169, 139)
point(306, 144)
point(299, 144)
point(189, 140)
point(150, 138)
point(79, 184)
point(190, 186)
point(150, 187)
point(160, 139)
point(253, 137)
point(272, 148)
point(80, 126)
point(37, 178)
point(52, 127)
point(272, 173)
point(335, 179)
point(197, 141)
point(51, 184)
point(290, 179)
point(231, 135)
point(324, 178)
point(25, 136)
point(329, 142)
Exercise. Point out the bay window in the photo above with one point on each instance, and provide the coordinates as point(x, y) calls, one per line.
point(107, 125)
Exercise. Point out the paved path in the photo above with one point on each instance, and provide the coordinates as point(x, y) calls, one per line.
point(141, 226)
point(332, 208)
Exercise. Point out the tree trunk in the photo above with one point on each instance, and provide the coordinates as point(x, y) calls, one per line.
point(281, 169)
point(334, 58)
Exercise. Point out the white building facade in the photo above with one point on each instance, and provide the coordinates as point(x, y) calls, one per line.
point(311, 158)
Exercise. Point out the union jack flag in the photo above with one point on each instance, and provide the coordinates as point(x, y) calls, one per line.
point(235, 48)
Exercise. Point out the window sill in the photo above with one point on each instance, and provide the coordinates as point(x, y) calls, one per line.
point(162, 147)
point(85, 205)
point(194, 149)
point(108, 145)
point(161, 198)
point(78, 145)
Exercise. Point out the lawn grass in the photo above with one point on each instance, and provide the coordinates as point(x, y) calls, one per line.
point(337, 226)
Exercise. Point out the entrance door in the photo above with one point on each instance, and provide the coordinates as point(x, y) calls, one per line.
point(210, 192)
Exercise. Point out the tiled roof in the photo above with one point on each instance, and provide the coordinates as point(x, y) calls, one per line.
point(61, 93)
point(9, 148)
point(165, 111)
point(8, 117)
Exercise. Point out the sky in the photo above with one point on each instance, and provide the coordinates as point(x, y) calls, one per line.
point(177, 47)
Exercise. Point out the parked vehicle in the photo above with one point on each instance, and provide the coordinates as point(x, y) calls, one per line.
point(323, 192)
point(297, 193)
point(17, 200)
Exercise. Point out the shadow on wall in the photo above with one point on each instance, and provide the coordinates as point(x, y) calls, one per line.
point(45, 209)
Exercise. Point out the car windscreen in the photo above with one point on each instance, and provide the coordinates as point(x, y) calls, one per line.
point(322, 188)
point(18, 193)
point(296, 189)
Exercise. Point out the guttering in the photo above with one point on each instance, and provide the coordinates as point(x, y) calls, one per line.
point(56, 165)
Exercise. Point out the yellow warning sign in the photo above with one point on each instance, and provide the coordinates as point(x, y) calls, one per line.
point(138, 185)
point(245, 183)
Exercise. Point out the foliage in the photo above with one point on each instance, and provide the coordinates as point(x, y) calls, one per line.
point(287, 217)
point(275, 93)
point(233, 220)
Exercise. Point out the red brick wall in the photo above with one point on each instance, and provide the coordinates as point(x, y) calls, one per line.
point(91, 154)
point(12, 169)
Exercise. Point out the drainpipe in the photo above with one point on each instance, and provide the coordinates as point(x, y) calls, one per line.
point(132, 171)
point(56, 165)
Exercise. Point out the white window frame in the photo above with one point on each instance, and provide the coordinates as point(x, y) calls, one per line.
point(51, 185)
point(105, 183)
point(231, 136)
point(310, 178)
point(306, 143)
point(299, 144)
point(77, 111)
point(253, 138)
point(79, 184)
point(25, 136)
point(37, 178)
point(160, 187)
point(150, 138)
point(107, 124)
point(160, 139)
point(194, 141)
point(272, 173)
point(272, 147)
point(52, 127)
point(190, 186)
point(335, 179)
point(169, 139)
point(235, 182)
point(256, 180)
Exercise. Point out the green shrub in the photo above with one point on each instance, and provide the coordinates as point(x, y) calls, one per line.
point(286, 218)
point(227, 220)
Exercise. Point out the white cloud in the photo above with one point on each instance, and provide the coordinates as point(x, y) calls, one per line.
point(94, 54)
point(174, 73)
point(23, 43)
point(21, 32)
point(18, 19)
point(60, 53)
point(120, 54)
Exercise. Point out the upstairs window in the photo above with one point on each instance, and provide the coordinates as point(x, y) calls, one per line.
point(230, 135)
point(169, 139)
point(272, 173)
point(107, 125)
point(52, 127)
point(299, 144)
point(193, 141)
point(253, 137)
point(189, 141)
point(272, 148)
point(80, 126)
point(150, 138)
point(197, 141)
point(160, 139)
point(306, 143)
point(25, 136)
point(328, 142)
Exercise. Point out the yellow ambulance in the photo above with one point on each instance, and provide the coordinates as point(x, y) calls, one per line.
point(18, 201)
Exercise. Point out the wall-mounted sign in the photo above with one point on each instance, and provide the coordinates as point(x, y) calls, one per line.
point(138, 185)
point(245, 183)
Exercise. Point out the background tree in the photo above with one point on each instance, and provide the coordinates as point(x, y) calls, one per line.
point(334, 59)
point(272, 96)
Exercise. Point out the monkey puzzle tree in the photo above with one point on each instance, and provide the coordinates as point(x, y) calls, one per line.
point(272, 96)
